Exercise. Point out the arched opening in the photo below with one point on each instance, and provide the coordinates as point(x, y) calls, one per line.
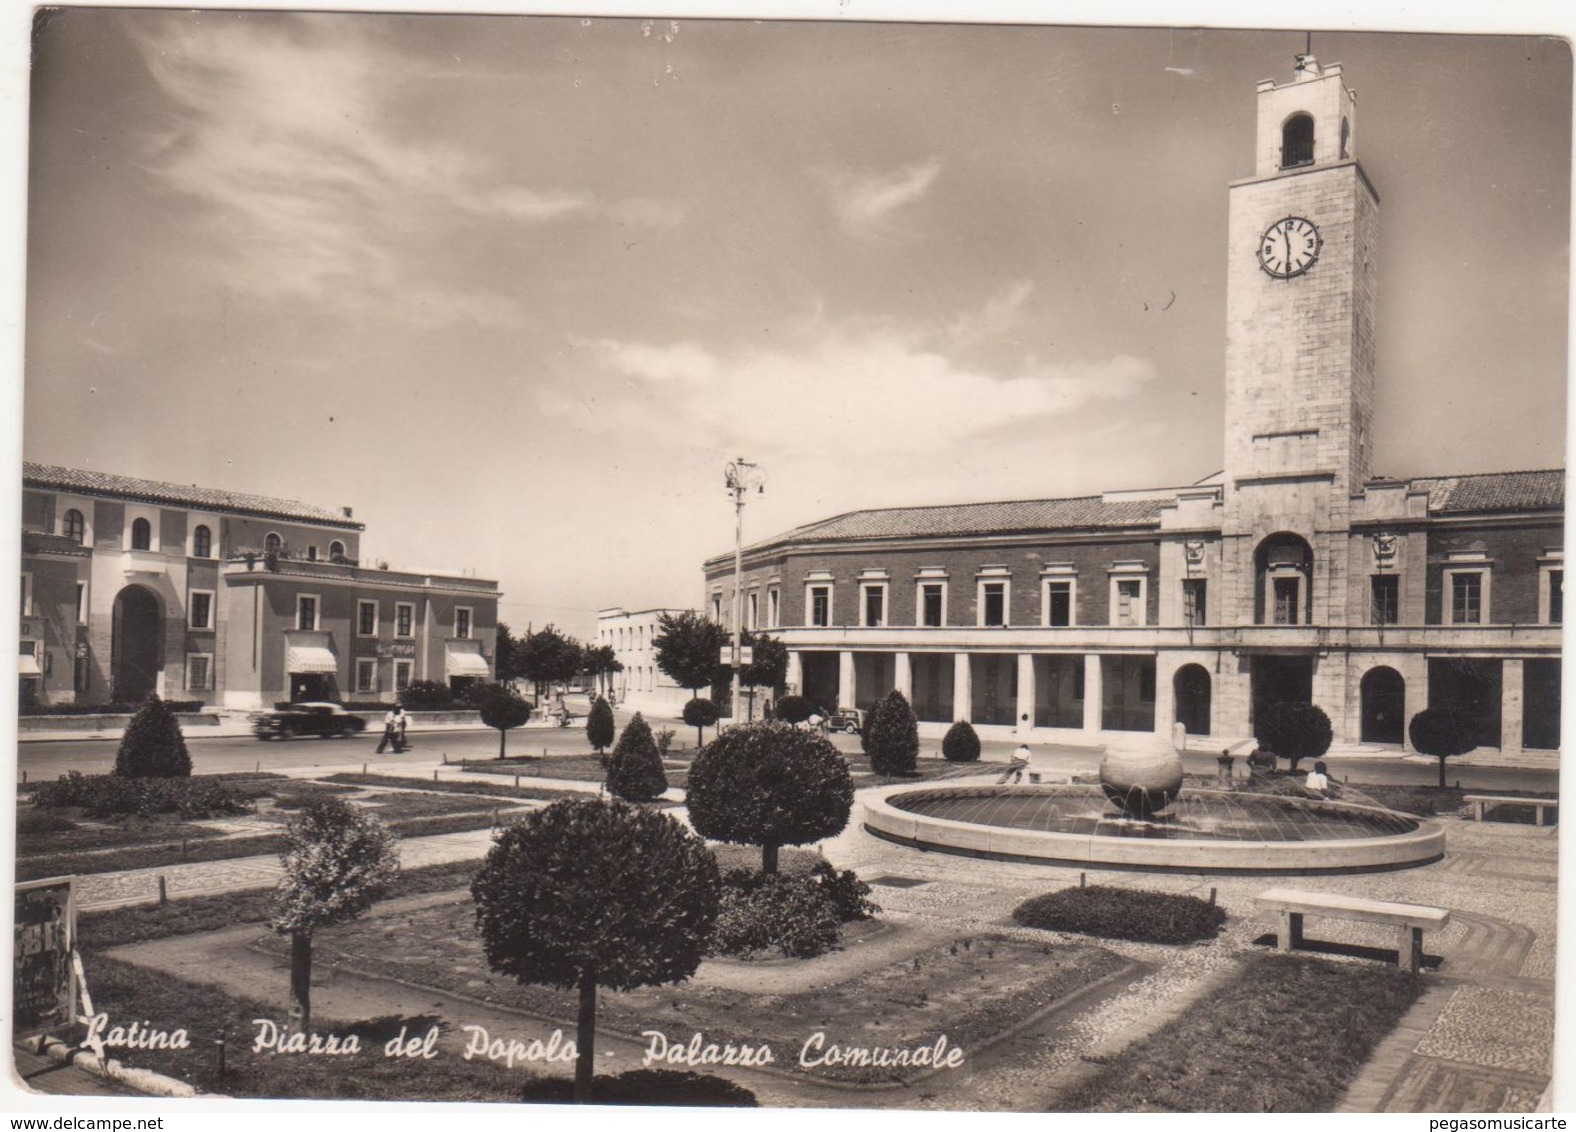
point(1283, 575)
point(202, 542)
point(141, 534)
point(1297, 141)
point(336, 551)
point(1346, 138)
point(136, 645)
point(1384, 706)
point(1191, 685)
point(74, 526)
point(272, 544)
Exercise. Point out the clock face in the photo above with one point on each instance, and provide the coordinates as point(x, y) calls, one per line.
point(1289, 247)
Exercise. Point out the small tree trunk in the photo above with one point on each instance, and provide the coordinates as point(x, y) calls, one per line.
point(301, 980)
point(585, 1038)
point(1441, 772)
point(502, 737)
point(769, 858)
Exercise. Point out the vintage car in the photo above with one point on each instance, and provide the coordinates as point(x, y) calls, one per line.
point(326, 721)
point(846, 719)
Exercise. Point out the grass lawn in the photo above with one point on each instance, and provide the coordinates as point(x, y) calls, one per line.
point(1431, 801)
point(571, 768)
point(116, 926)
point(1285, 1034)
point(925, 769)
point(87, 834)
point(127, 992)
point(972, 989)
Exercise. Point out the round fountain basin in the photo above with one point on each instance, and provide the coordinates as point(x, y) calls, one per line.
point(1203, 831)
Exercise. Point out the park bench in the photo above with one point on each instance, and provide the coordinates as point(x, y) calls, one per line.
point(1481, 801)
point(1411, 919)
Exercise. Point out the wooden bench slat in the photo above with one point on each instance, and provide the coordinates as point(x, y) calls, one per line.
point(1352, 907)
point(1498, 799)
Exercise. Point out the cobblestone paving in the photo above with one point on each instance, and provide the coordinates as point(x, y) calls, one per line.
point(1503, 1029)
point(1478, 1041)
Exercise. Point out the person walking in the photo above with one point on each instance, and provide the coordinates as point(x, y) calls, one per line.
point(391, 730)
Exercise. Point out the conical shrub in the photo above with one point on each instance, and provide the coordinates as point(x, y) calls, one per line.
point(635, 771)
point(153, 746)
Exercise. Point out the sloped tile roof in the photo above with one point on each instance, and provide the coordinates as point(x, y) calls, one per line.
point(1495, 491)
point(1020, 516)
point(186, 495)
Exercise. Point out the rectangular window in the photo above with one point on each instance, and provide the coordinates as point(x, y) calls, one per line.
point(874, 606)
point(82, 603)
point(716, 608)
point(306, 611)
point(402, 670)
point(1466, 598)
point(932, 602)
point(199, 672)
point(462, 622)
point(1287, 592)
point(366, 618)
point(1194, 609)
point(773, 608)
point(366, 674)
point(1129, 602)
point(993, 603)
point(404, 619)
point(1386, 600)
point(200, 607)
point(82, 673)
point(1556, 597)
point(1059, 603)
point(820, 605)
point(27, 595)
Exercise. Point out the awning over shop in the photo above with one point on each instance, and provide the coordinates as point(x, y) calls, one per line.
point(466, 664)
point(27, 665)
point(309, 659)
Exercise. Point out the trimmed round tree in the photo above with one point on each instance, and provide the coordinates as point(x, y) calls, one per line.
point(338, 859)
point(635, 773)
point(1443, 734)
point(588, 893)
point(600, 725)
point(769, 784)
point(700, 714)
point(153, 746)
point(1294, 731)
point(502, 707)
point(892, 736)
point(794, 709)
point(961, 744)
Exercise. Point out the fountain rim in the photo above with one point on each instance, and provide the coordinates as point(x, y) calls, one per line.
point(1420, 846)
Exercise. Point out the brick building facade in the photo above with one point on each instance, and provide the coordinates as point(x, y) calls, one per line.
point(133, 587)
point(1293, 574)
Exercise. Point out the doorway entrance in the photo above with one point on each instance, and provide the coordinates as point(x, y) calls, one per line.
point(1281, 679)
point(136, 645)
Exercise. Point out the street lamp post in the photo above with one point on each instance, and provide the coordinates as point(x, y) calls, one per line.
point(740, 476)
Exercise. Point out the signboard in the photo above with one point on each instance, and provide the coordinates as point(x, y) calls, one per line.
point(746, 655)
point(43, 979)
point(404, 650)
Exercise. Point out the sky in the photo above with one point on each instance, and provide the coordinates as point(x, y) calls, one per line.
point(516, 289)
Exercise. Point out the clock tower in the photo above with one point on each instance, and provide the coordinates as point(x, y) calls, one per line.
point(1299, 383)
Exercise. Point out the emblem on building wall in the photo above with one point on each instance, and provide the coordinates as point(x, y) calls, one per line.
point(1384, 549)
point(1194, 550)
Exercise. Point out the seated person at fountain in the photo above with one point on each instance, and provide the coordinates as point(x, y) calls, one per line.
point(1019, 763)
point(1318, 779)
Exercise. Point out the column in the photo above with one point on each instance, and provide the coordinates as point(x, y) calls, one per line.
point(1165, 694)
point(962, 688)
point(795, 677)
point(1511, 686)
point(845, 679)
point(1025, 720)
point(903, 676)
point(1094, 694)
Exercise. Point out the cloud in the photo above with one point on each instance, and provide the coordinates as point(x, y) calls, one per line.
point(1000, 314)
point(865, 205)
point(289, 133)
point(876, 392)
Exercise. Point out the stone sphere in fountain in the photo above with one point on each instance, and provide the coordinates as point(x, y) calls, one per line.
point(1144, 780)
